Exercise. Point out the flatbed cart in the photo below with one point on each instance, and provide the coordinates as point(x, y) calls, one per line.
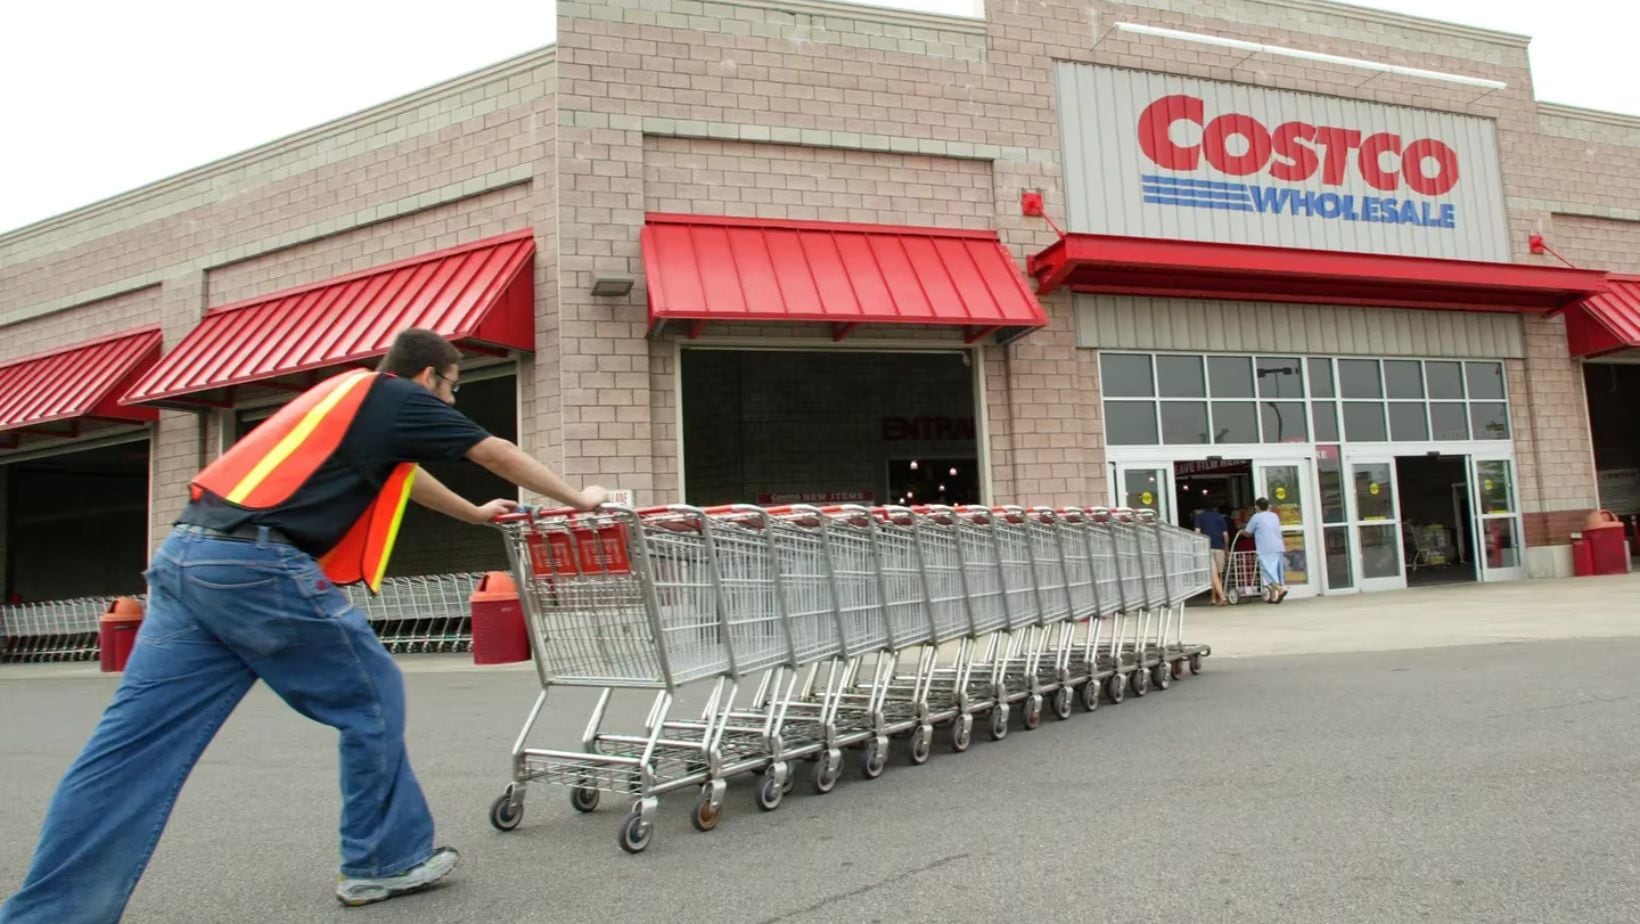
point(1242, 578)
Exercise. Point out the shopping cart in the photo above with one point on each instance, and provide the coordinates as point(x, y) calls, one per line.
point(1242, 578)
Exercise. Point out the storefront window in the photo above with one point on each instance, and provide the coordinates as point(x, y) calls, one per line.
point(1330, 472)
point(1279, 377)
point(1490, 420)
point(1184, 422)
point(1501, 549)
point(1380, 553)
point(1126, 375)
point(1406, 421)
point(1358, 378)
point(1326, 420)
point(1403, 378)
point(1374, 492)
point(1235, 422)
point(1449, 420)
point(1485, 380)
point(1130, 423)
point(1180, 377)
point(1445, 380)
point(1364, 422)
point(1337, 540)
point(1321, 378)
point(1495, 486)
point(1230, 376)
point(1283, 422)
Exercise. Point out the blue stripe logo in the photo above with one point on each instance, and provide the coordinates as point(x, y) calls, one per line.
point(1183, 192)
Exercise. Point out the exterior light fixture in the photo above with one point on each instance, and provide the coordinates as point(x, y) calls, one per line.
point(612, 285)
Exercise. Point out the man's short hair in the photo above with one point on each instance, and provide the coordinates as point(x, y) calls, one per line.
point(415, 349)
point(1262, 503)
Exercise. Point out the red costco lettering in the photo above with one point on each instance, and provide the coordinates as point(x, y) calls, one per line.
point(1293, 151)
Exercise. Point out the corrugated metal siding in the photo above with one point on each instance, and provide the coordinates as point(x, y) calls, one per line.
point(1099, 110)
point(1139, 323)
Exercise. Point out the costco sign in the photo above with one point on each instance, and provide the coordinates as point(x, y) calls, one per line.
point(1158, 156)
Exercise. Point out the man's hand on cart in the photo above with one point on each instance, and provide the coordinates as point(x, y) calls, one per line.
point(488, 512)
point(592, 497)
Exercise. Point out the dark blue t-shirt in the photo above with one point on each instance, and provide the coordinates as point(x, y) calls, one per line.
point(398, 421)
point(1213, 524)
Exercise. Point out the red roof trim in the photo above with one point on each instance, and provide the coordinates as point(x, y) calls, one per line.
point(1608, 322)
point(82, 381)
point(1195, 269)
point(481, 295)
point(702, 268)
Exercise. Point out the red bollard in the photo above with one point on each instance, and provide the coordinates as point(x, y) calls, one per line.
point(117, 633)
point(499, 633)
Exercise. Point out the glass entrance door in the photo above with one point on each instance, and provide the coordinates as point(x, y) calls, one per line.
point(1497, 517)
point(1376, 510)
point(1286, 484)
point(1144, 486)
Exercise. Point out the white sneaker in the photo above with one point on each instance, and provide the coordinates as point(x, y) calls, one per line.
point(354, 892)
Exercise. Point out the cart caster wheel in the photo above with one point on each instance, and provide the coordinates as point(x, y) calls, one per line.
point(962, 733)
point(1063, 703)
point(1090, 695)
point(1178, 669)
point(505, 814)
point(1116, 688)
point(1139, 680)
point(1232, 597)
point(1033, 712)
point(584, 799)
point(999, 723)
point(635, 834)
point(1162, 677)
point(922, 744)
point(1196, 663)
point(791, 783)
point(826, 771)
point(707, 812)
point(769, 792)
point(873, 758)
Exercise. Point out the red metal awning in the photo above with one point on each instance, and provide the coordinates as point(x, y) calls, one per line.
point(56, 394)
point(481, 296)
point(1606, 323)
point(1194, 269)
point(703, 269)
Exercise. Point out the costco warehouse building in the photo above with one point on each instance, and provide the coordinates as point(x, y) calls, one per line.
point(1157, 254)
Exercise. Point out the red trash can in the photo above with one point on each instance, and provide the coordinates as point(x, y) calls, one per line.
point(499, 633)
point(117, 633)
point(1582, 557)
point(1608, 550)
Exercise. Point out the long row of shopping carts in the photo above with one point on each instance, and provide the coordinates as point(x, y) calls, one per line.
point(817, 631)
point(411, 615)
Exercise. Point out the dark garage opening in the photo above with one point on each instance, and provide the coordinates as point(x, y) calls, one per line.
point(76, 524)
point(777, 427)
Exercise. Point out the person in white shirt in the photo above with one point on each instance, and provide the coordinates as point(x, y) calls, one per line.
point(1265, 528)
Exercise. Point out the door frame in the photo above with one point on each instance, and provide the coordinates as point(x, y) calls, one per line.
point(1478, 520)
point(1374, 454)
point(1310, 504)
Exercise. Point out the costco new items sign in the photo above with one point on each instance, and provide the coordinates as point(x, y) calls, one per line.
point(1151, 155)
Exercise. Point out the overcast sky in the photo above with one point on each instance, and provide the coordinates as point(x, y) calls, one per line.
point(101, 97)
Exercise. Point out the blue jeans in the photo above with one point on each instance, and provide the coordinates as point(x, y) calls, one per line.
point(221, 614)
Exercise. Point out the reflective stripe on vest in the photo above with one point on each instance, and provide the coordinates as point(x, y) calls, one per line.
point(268, 466)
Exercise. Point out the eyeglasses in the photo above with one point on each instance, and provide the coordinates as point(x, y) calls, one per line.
point(455, 387)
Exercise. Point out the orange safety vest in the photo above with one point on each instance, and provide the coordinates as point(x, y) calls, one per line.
point(268, 466)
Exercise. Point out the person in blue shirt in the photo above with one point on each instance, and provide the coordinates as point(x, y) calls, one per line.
point(1216, 528)
point(1265, 528)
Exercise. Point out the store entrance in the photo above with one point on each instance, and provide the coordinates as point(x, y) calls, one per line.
point(1225, 485)
point(1436, 516)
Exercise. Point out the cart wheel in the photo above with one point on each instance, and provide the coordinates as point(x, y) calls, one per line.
point(1033, 712)
point(1178, 669)
point(1162, 677)
point(962, 733)
point(999, 723)
point(826, 771)
point(634, 833)
point(1090, 695)
point(1232, 596)
point(1139, 681)
point(1063, 703)
point(585, 799)
point(707, 815)
point(506, 814)
point(873, 758)
point(922, 744)
point(1196, 663)
point(1116, 688)
point(769, 792)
